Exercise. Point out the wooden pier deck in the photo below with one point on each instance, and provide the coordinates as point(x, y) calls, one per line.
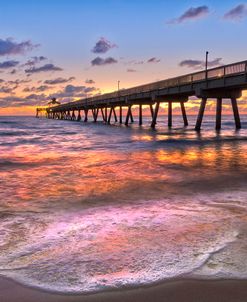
point(224, 82)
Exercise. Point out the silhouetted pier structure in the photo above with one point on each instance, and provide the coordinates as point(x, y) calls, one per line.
point(41, 111)
point(224, 82)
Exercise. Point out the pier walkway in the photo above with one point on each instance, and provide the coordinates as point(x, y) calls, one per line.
point(224, 82)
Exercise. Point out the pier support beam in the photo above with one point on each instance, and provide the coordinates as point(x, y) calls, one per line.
point(200, 114)
point(218, 113)
point(128, 116)
point(106, 113)
point(79, 116)
point(140, 115)
point(169, 114)
point(86, 115)
point(152, 111)
point(184, 114)
point(120, 115)
point(109, 117)
point(131, 116)
point(155, 114)
point(95, 114)
point(73, 116)
point(236, 113)
point(115, 115)
point(103, 115)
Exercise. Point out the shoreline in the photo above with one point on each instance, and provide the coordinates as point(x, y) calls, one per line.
point(182, 290)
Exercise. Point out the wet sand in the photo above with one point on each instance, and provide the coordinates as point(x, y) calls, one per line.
point(174, 291)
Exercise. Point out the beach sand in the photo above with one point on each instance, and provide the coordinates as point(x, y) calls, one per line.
point(175, 291)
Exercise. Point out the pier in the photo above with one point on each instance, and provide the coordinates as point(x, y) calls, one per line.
point(224, 82)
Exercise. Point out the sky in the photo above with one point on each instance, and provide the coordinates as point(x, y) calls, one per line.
point(72, 49)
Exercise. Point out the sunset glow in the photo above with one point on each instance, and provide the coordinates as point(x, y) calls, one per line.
point(83, 57)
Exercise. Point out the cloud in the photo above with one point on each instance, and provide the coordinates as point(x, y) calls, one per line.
point(98, 61)
point(8, 64)
point(89, 81)
point(59, 81)
point(153, 60)
point(42, 88)
point(71, 91)
point(237, 13)
point(131, 70)
point(10, 47)
point(191, 14)
point(10, 86)
point(102, 46)
point(12, 101)
point(198, 64)
point(14, 71)
point(18, 82)
point(37, 97)
point(134, 62)
point(30, 100)
point(36, 89)
point(35, 60)
point(6, 89)
point(44, 68)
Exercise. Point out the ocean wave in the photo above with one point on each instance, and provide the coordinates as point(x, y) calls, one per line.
point(119, 246)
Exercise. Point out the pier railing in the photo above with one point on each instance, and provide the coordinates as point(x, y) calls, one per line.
point(218, 72)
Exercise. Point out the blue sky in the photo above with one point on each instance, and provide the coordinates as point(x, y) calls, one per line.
point(67, 31)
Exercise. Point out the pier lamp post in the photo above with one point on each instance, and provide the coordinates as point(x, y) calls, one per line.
point(206, 65)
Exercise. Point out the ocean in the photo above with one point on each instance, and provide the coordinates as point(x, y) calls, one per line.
point(87, 207)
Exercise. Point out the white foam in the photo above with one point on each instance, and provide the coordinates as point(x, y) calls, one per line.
point(127, 245)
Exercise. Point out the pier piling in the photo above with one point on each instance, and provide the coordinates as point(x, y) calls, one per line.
point(169, 114)
point(120, 115)
point(236, 113)
point(218, 113)
point(85, 115)
point(115, 115)
point(109, 117)
point(200, 114)
point(140, 114)
point(155, 115)
point(184, 114)
point(128, 116)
